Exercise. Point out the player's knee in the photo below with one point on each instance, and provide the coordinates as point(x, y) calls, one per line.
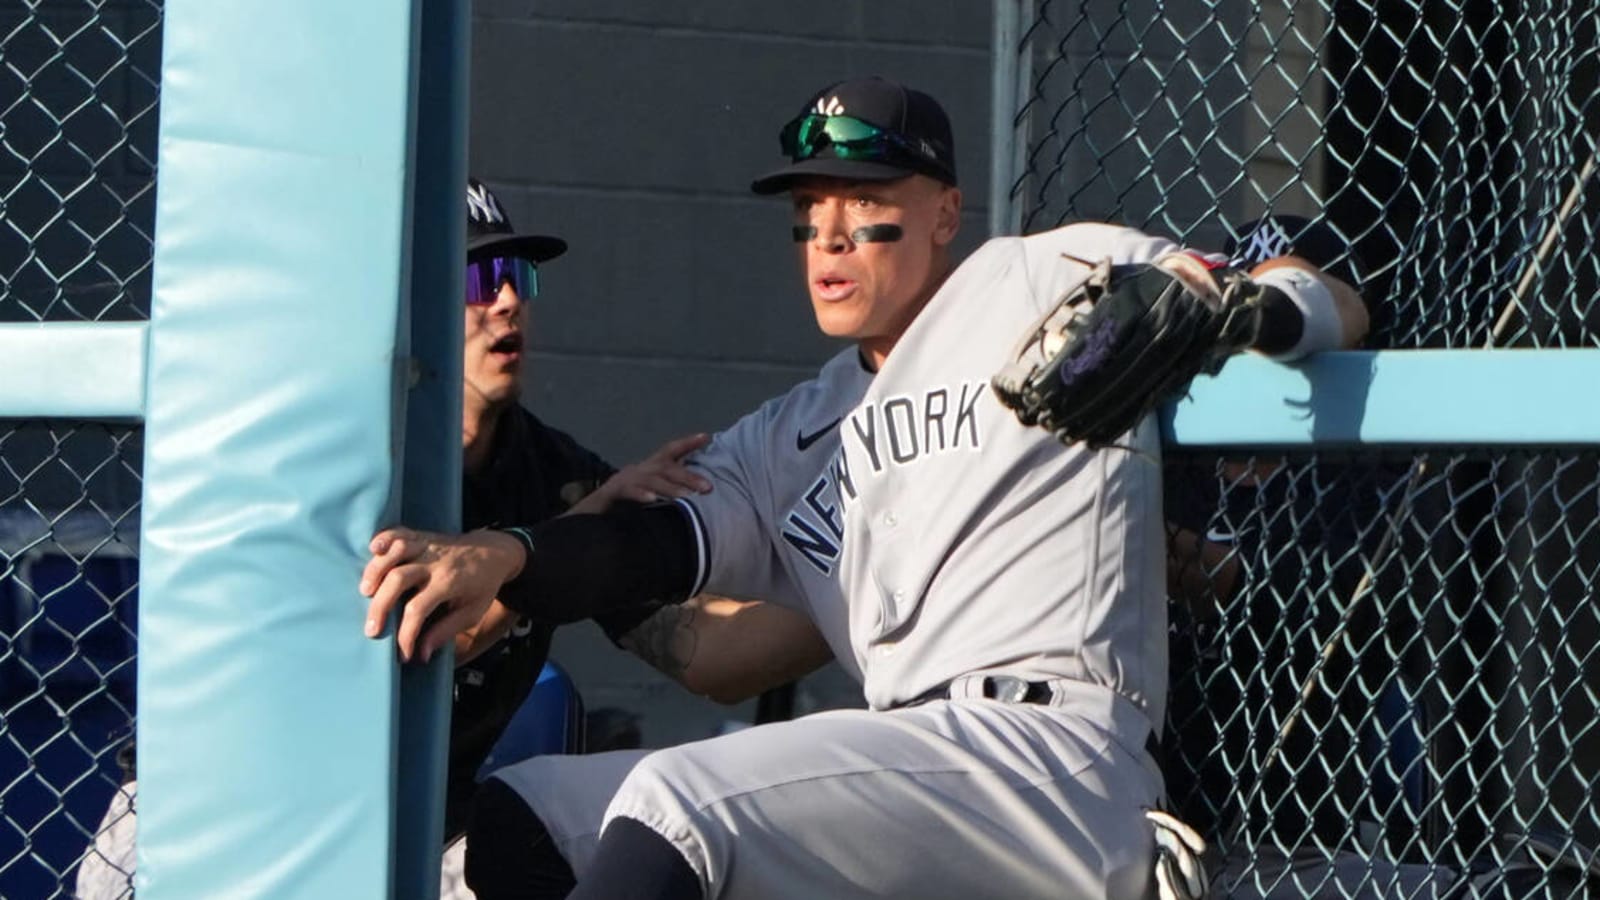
point(509, 850)
point(635, 861)
point(661, 789)
point(656, 785)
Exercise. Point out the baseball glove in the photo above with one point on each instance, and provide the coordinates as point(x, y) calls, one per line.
point(1126, 339)
point(1180, 858)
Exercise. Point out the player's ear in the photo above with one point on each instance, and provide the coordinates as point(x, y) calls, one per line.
point(947, 220)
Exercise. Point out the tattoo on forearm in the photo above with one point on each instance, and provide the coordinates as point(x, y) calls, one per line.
point(666, 640)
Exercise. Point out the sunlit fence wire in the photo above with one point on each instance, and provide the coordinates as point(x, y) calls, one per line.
point(1442, 140)
point(1389, 660)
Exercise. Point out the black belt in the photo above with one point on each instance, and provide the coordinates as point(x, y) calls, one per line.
point(1009, 689)
point(1004, 688)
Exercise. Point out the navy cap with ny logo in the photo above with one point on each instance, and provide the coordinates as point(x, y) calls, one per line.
point(865, 129)
point(490, 233)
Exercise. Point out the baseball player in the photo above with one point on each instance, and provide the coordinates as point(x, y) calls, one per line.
point(998, 595)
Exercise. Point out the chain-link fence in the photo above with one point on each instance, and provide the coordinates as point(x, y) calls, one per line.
point(1385, 671)
point(68, 535)
point(78, 91)
point(1386, 679)
point(77, 158)
point(1443, 140)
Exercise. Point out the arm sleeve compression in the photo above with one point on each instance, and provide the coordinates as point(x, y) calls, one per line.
point(579, 566)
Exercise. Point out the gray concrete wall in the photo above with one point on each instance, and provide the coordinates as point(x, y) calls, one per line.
point(633, 130)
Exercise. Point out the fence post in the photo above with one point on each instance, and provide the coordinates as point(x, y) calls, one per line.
point(431, 474)
point(1008, 137)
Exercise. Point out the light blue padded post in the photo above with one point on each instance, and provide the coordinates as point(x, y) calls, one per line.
point(266, 721)
point(432, 470)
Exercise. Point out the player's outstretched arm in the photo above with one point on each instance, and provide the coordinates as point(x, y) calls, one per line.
point(728, 650)
point(451, 580)
point(561, 570)
point(661, 475)
point(1296, 322)
point(1129, 337)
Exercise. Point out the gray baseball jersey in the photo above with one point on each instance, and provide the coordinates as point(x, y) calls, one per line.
point(933, 540)
point(928, 533)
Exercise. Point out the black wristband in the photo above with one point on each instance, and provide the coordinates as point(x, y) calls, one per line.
point(525, 537)
point(1282, 322)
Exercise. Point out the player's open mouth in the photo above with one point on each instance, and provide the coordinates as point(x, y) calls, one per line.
point(509, 344)
point(834, 289)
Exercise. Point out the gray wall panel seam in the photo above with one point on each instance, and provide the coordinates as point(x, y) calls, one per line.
point(664, 361)
point(670, 32)
point(732, 197)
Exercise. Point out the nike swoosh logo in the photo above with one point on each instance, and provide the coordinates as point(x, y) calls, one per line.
point(1222, 535)
point(803, 441)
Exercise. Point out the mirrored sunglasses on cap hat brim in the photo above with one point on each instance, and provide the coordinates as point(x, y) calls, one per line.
point(486, 276)
point(850, 138)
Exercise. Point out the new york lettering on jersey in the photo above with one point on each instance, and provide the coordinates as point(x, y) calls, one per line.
point(897, 432)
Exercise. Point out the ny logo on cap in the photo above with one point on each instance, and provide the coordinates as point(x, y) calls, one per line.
point(830, 107)
point(1267, 241)
point(482, 207)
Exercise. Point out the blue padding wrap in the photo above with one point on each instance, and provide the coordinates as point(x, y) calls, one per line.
point(266, 721)
point(1399, 398)
point(78, 370)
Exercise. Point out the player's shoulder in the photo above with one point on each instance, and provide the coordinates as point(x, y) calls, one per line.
point(1046, 250)
point(840, 378)
point(1049, 262)
point(1096, 241)
point(816, 402)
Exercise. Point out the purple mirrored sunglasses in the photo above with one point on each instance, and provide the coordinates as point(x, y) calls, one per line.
point(485, 276)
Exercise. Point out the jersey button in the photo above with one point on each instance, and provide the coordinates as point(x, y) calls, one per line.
point(890, 520)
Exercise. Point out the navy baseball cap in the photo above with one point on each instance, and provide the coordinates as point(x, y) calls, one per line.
point(489, 231)
point(865, 129)
point(1317, 242)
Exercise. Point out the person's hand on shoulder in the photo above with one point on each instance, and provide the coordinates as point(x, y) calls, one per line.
point(661, 475)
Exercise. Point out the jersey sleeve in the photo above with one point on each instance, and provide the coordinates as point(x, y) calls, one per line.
point(1052, 257)
point(733, 522)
